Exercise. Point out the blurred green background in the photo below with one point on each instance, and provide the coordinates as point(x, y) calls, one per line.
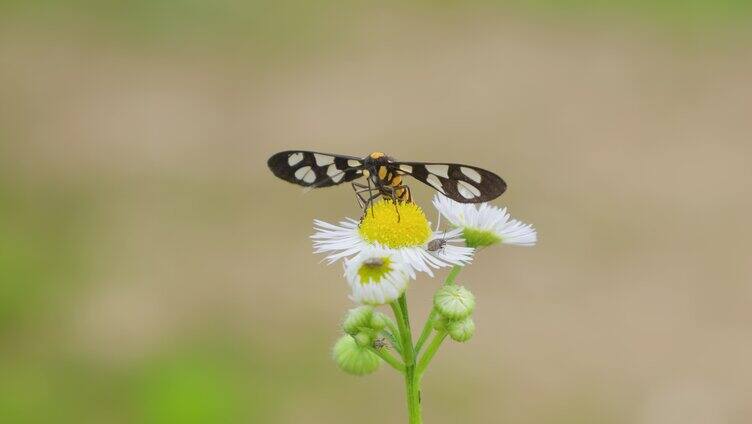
point(153, 271)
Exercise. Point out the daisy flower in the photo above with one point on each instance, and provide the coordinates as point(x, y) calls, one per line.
point(376, 276)
point(407, 235)
point(485, 225)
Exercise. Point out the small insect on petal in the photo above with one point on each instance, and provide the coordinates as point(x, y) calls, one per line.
point(436, 244)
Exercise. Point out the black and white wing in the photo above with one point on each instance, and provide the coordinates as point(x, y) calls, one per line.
point(314, 169)
point(463, 183)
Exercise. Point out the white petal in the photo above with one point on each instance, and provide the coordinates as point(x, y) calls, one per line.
point(486, 217)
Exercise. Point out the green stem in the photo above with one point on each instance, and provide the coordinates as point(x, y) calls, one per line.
point(401, 330)
point(389, 359)
point(403, 305)
point(412, 385)
point(427, 328)
point(438, 338)
point(414, 373)
point(452, 275)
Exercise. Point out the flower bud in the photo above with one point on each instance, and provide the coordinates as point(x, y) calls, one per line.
point(354, 359)
point(379, 321)
point(363, 339)
point(454, 302)
point(462, 330)
point(356, 319)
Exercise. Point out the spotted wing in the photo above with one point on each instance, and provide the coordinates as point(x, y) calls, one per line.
point(314, 169)
point(463, 183)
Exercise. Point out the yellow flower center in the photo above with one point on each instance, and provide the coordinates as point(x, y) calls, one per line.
point(382, 224)
point(373, 269)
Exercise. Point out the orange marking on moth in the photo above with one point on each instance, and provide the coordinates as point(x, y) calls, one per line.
point(382, 172)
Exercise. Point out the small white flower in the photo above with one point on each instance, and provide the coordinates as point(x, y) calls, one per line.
point(407, 238)
point(486, 224)
point(376, 276)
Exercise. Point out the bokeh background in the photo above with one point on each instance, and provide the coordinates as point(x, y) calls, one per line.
point(153, 271)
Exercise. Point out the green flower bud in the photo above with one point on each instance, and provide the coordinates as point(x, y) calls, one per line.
point(462, 330)
point(363, 339)
point(354, 359)
point(379, 321)
point(454, 302)
point(356, 319)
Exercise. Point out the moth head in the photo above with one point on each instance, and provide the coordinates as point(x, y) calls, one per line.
point(376, 159)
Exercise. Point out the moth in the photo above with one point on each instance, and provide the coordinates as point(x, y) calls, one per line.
point(383, 176)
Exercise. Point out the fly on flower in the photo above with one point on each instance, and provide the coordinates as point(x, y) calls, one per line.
point(437, 244)
point(383, 176)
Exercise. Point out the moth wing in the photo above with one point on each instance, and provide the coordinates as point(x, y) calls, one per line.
point(462, 183)
point(315, 169)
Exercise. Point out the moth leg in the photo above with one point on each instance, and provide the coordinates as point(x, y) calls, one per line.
point(392, 194)
point(360, 199)
point(403, 190)
point(364, 203)
point(357, 185)
point(368, 203)
point(373, 196)
point(359, 189)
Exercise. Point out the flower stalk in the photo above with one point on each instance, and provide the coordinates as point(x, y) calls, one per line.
point(412, 384)
point(431, 350)
point(389, 359)
point(427, 328)
point(382, 254)
point(413, 367)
